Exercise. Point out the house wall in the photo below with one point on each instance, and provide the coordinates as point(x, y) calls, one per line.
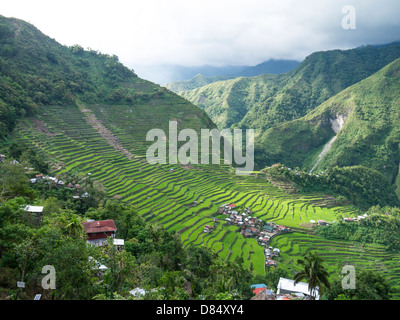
point(100, 235)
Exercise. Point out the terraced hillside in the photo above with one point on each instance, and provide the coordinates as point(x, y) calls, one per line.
point(181, 198)
point(372, 257)
point(84, 112)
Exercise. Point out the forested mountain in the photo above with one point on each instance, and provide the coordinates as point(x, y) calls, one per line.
point(267, 100)
point(36, 71)
point(271, 66)
point(363, 120)
point(73, 127)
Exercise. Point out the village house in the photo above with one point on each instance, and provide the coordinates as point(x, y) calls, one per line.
point(300, 289)
point(257, 288)
point(263, 293)
point(98, 231)
point(251, 227)
point(270, 263)
point(208, 228)
point(268, 228)
point(37, 212)
point(118, 244)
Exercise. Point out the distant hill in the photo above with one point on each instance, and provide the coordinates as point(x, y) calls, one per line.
point(164, 74)
point(271, 67)
point(197, 81)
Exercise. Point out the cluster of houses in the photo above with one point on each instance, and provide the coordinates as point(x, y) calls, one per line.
point(41, 178)
point(255, 228)
point(248, 223)
point(251, 226)
point(358, 218)
point(3, 159)
point(269, 253)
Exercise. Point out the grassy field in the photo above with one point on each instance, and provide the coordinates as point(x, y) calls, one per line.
point(186, 198)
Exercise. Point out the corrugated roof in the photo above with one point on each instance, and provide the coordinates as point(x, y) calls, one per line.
point(34, 208)
point(258, 290)
point(260, 285)
point(99, 226)
point(289, 285)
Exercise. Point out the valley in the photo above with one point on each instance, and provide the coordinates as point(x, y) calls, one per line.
point(326, 181)
point(186, 198)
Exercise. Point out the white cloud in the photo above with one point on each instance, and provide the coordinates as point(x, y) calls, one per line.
point(213, 32)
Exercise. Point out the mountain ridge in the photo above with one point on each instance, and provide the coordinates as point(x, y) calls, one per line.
point(369, 136)
point(272, 66)
point(36, 71)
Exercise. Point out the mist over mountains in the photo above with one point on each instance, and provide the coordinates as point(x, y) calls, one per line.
point(163, 74)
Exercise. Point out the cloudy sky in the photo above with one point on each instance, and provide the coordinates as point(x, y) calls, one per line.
point(209, 32)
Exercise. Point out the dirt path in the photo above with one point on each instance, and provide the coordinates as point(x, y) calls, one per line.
point(104, 131)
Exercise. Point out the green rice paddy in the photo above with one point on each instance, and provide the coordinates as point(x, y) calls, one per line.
point(186, 198)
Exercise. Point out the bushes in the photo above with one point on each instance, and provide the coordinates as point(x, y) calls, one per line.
point(377, 228)
point(363, 186)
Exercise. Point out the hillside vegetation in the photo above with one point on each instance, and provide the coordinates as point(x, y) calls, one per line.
point(263, 101)
point(268, 100)
point(369, 136)
point(91, 136)
point(36, 71)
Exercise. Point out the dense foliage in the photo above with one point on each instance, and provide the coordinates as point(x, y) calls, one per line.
point(153, 258)
point(381, 226)
point(267, 100)
point(362, 186)
point(37, 71)
point(369, 286)
point(370, 135)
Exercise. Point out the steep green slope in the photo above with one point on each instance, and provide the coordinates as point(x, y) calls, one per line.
point(228, 102)
point(183, 199)
point(103, 134)
point(366, 117)
point(267, 100)
point(36, 71)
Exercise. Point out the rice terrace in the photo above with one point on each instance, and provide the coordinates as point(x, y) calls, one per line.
point(221, 179)
point(187, 198)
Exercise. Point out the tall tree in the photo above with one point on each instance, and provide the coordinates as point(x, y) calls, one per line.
point(313, 272)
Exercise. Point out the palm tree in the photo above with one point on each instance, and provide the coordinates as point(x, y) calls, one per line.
point(314, 273)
